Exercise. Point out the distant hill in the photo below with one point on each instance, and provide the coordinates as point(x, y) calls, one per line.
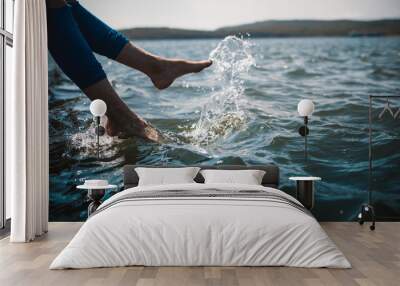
point(275, 28)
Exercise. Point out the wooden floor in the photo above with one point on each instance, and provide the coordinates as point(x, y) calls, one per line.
point(375, 257)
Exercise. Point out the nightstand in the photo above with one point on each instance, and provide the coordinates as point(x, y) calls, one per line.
point(305, 190)
point(95, 194)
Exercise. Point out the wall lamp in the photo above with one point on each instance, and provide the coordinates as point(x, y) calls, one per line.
point(305, 108)
point(98, 108)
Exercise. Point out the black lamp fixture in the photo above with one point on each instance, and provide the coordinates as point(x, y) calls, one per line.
point(98, 109)
point(305, 108)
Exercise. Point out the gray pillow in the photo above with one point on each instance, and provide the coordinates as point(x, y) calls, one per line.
point(246, 177)
point(166, 176)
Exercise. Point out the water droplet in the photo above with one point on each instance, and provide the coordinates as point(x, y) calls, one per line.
point(223, 113)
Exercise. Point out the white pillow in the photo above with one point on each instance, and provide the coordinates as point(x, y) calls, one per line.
point(166, 176)
point(247, 177)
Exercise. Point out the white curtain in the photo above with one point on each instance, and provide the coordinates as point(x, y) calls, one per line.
point(27, 124)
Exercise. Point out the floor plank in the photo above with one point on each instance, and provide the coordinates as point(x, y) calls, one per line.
point(375, 257)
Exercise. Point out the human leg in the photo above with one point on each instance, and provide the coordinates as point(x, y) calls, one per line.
point(74, 56)
point(110, 43)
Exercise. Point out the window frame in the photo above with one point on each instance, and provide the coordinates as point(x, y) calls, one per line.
point(6, 39)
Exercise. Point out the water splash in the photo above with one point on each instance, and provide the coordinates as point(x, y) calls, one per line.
point(85, 142)
point(224, 113)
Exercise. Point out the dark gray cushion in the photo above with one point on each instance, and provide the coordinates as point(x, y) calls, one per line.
point(270, 179)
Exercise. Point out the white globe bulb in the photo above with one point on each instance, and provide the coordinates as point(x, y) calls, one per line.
point(305, 107)
point(98, 107)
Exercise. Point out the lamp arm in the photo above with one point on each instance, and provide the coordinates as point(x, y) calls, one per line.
point(98, 136)
point(305, 137)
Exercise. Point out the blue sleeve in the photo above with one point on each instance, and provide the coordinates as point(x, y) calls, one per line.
point(70, 50)
point(102, 39)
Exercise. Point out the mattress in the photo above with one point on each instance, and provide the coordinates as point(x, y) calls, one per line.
point(201, 225)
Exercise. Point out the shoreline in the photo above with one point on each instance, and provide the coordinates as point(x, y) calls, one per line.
point(260, 37)
point(275, 29)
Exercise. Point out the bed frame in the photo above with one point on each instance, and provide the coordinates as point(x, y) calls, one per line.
point(270, 179)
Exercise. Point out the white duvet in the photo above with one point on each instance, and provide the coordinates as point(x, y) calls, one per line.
point(200, 231)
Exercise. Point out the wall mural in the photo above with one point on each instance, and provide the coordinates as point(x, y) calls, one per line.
point(242, 110)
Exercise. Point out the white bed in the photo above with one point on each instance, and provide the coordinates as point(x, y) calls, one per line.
point(206, 230)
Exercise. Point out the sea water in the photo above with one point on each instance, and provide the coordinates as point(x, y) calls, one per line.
point(243, 110)
point(224, 114)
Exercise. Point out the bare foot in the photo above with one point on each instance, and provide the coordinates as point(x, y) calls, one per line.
point(161, 71)
point(120, 118)
point(169, 70)
point(135, 126)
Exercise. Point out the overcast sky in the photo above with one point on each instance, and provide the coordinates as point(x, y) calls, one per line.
point(211, 14)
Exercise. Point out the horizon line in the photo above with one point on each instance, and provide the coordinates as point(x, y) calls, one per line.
point(260, 21)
